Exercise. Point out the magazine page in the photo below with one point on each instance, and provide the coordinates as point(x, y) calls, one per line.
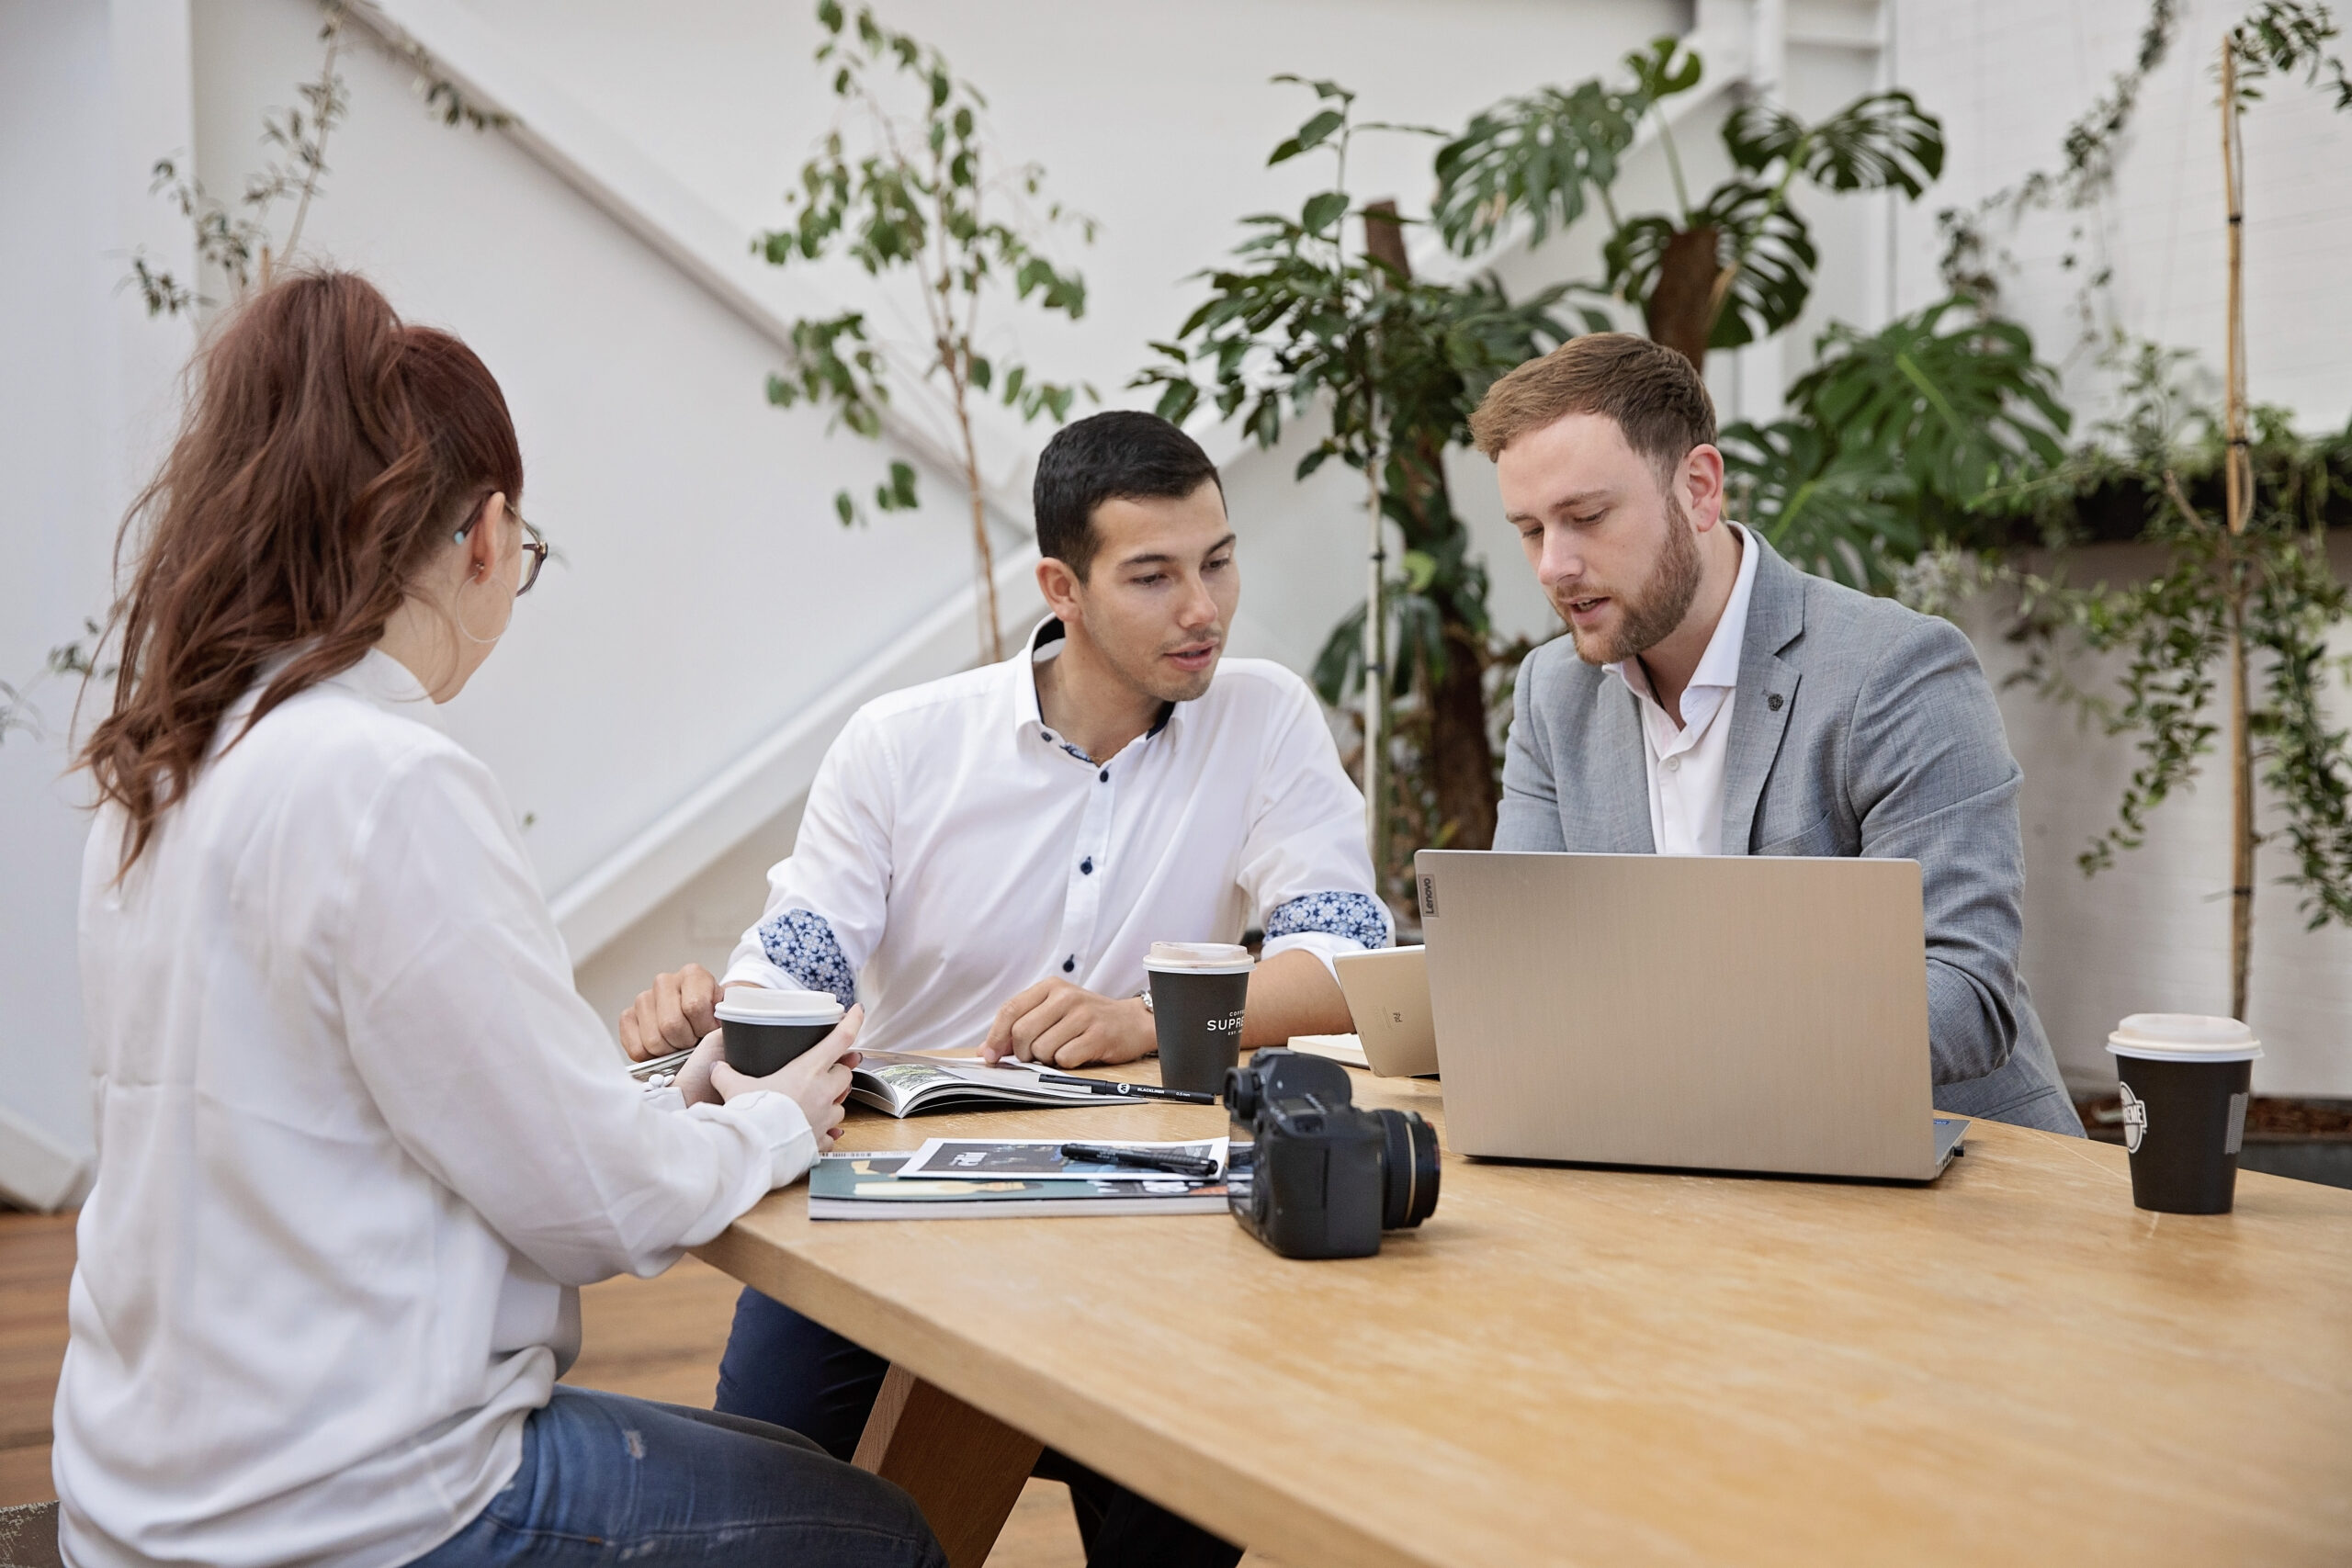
point(866, 1185)
point(992, 1159)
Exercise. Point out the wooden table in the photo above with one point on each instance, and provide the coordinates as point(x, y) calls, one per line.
point(1577, 1365)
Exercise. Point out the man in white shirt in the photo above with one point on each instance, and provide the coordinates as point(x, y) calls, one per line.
point(985, 860)
point(1712, 699)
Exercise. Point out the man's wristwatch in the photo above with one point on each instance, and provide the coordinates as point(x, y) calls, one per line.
point(1146, 999)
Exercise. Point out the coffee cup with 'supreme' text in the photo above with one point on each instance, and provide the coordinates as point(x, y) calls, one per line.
point(1198, 992)
point(766, 1029)
point(2186, 1079)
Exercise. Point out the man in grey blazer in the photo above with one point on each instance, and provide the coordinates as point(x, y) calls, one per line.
point(1711, 699)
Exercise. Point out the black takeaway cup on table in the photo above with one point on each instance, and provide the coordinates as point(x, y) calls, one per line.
point(2185, 1079)
point(766, 1029)
point(1198, 990)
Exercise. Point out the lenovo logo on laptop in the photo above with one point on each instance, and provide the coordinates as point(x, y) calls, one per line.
point(1428, 897)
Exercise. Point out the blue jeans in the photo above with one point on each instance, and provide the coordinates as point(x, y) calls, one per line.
point(783, 1367)
point(608, 1479)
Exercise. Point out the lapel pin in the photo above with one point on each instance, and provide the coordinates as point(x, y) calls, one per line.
point(1773, 701)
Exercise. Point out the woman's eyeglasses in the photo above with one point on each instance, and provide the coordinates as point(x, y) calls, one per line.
point(535, 544)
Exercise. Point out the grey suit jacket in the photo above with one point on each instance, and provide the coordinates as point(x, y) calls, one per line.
point(1860, 728)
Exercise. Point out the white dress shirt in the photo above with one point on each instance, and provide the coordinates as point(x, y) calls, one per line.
point(358, 1141)
point(956, 850)
point(1686, 762)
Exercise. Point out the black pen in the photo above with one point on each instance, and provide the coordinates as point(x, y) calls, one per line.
point(1143, 1159)
point(1132, 1090)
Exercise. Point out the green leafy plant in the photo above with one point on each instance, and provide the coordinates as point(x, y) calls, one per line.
point(920, 193)
point(19, 712)
point(2240, 615)
point(2280, 37)
point(2285, 37)
point(1730, 268)
point(1308, 322)
point(1893, 436)
point(2261, 597)
point(238, 240)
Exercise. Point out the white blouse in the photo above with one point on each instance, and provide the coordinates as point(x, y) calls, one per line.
point(360, 1141)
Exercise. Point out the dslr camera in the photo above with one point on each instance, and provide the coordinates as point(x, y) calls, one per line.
point(1310, 1174)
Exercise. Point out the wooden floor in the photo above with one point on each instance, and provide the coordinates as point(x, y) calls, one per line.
point(655, 1339)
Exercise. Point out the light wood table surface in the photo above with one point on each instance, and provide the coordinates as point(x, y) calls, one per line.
point(1572, 1365)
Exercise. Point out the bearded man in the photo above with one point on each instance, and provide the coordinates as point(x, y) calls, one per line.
point(1712, 699)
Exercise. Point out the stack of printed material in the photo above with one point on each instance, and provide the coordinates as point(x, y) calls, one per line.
point(967, 1179)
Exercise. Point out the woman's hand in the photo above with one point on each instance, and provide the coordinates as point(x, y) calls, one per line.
point(816, 1080)
point(693, 1078)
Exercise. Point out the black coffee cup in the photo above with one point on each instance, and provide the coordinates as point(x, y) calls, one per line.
point(1198, 992)
point(2185, 1079)
point(764, 1029)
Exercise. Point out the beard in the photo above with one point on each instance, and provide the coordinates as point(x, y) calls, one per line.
point(1647, 615)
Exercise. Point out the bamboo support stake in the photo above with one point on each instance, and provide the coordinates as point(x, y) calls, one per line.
point(2237, 470)
point(984, 559)
point(1375, 678)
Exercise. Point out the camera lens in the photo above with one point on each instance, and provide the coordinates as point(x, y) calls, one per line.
point(1409, 1194)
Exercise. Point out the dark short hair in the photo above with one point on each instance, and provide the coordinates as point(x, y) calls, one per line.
point(1651, 391)
point(1118, 455)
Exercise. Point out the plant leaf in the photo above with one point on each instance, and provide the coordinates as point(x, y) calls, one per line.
point(1322, 210)
point(1958, 410)
point(1313, 134)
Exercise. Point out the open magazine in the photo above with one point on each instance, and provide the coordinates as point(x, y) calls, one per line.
point(900, 1084)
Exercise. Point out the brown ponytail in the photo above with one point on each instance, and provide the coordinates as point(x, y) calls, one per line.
point(329, 450)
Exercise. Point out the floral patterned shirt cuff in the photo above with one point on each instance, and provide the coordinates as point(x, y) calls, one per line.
point(1326, 924)
point(801, 943)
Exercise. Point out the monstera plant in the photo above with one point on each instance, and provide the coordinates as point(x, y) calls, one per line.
point(1732, 267)
point(1893, 437)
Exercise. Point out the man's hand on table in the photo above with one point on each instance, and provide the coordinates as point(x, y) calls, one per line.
point(673, 1014)
point(1057, 1024)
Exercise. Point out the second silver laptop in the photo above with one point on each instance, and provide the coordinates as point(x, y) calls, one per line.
point(1730, 1014)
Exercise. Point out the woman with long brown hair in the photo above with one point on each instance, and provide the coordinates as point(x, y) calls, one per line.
point(359, 1139)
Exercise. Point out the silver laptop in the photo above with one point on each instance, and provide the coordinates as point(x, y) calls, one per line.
point(1389, 996)
point(1726, 1013)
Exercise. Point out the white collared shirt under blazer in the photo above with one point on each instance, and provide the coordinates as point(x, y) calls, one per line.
point(955, 850)
point(359, 1140)
point(1686, 761)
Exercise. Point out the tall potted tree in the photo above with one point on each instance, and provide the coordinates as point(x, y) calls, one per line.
point(1318, 315)
point(907, 184)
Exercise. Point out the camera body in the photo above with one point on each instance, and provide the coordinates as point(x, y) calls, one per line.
point(1312, 1175)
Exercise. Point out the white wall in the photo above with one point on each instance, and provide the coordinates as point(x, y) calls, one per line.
point(83, 407)
point(2008, 76)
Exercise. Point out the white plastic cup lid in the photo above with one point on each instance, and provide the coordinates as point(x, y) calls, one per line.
point(1199, 957)
point(2183, 1037)
point(756, 1006)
